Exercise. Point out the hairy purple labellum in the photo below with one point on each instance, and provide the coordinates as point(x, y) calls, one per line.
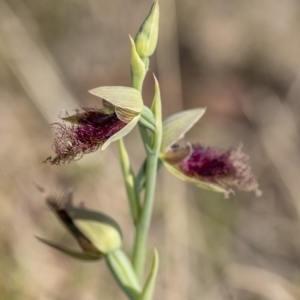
point(219, 167)
point(92, 129)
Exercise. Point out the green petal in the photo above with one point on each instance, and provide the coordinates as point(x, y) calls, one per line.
point(120, 96)
point(102, 231)
point(72, 253)
point(176, 126)
point(201, 184)
point(148, 290)
point(125, 115)
point(125, 130)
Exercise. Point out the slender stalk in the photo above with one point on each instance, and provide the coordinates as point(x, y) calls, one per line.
point(145, 138)
point(143, 224)
point(145, 218)
point(146, 40)
point(140, 179)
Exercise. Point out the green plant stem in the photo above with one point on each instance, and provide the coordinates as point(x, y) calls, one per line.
point(143, 224)
point(145, 217)
point(140, 179)
point(145, 138)
point(152, 146)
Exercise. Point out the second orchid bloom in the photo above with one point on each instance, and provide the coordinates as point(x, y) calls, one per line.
point(207, 167)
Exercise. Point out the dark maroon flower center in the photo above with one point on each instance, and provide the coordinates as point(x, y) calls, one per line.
point(97, 127)
point(92, 129)
point(207, 162)
point(218, 167)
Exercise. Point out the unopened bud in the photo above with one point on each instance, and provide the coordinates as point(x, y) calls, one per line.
point(146, 38)
point(95, 233)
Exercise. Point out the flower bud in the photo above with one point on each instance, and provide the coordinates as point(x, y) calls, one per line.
point(95, 233)
point(146, 38)
point(102, 231)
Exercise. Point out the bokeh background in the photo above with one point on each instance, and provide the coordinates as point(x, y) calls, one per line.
point(238, 58)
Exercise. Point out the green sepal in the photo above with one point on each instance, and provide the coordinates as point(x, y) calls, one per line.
point(146, 38)
point(102, 231)
point(120, 96)
point(177, 125)
point(137, 68)
point(122, 270)
point(201, 184)
point(75, 254)
point(148, 289)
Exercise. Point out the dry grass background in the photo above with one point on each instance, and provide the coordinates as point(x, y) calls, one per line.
point(240, 59)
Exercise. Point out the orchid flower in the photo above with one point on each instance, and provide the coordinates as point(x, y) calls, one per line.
point(207, 167)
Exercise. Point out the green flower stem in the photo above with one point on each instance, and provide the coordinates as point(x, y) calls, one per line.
point(146, 63)
point(145, 138)
point(140, 179)
point(143, 225)
point(144, 222)
point(146, 40)
point(129, 180)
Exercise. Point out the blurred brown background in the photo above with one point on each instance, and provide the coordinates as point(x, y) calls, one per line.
point(240, 59)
